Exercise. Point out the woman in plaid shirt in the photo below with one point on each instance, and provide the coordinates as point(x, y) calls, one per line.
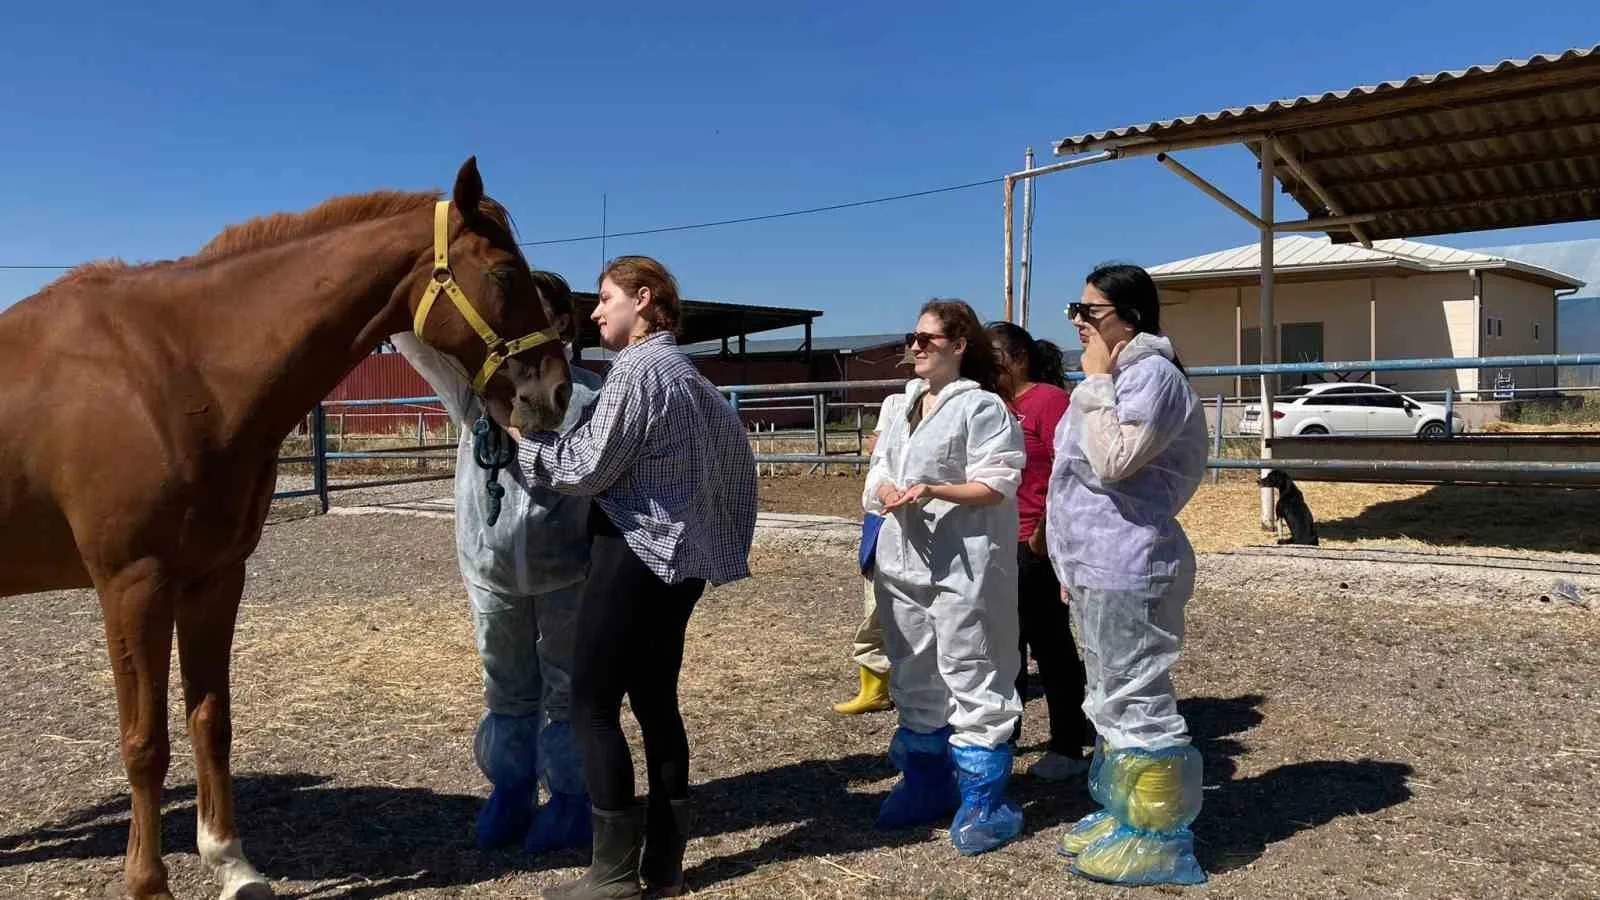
point(669, 466)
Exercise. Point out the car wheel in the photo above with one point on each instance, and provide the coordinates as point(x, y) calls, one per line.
point(1432, 431)
point(1313, 430)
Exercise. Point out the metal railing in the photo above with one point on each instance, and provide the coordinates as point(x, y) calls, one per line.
point(788, 397)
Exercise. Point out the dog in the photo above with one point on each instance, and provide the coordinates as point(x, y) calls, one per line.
point(1292, 509)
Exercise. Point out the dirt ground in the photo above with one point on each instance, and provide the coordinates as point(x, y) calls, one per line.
point(1368, 730)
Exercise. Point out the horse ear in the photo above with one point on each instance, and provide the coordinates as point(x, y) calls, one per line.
point(468, 191)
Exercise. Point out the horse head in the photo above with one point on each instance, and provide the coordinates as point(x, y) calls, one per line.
point(476, 300)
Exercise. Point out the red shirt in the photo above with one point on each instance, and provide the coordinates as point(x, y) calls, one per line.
point(1039, 410)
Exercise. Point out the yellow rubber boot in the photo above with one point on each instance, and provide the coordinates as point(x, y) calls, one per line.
point(874, 695)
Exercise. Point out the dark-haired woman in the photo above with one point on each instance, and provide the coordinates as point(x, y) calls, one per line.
point(1033, 373)
point(1129, 456)
point(945, 474)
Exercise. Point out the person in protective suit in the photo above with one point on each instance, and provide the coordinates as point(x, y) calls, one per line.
point(944, 475)
point(524, 574)
point(1129, 455)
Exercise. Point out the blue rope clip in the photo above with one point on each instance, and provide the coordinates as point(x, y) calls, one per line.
point(492, 450)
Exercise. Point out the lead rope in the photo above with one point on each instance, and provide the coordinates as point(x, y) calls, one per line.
point(492, 451)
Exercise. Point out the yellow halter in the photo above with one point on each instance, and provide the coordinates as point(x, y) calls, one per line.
point(443, 280)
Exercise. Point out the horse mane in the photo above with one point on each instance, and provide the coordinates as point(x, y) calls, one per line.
point(276, 229)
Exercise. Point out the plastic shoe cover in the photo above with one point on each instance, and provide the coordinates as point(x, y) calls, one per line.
point(926, 791)
point(562, 823)
point(560, 764)
point(1086, 831)
point(1154, 790)
point(1154, 795)
point(1127, 856)
point(506, 750)
point(1098, 789)
point(986, 818)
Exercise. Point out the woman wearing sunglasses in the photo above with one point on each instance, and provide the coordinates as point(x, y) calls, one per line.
point(1129, 456)
point(944, 474)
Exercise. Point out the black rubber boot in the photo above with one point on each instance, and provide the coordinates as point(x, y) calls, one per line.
point(614, 865)
point(666, 836)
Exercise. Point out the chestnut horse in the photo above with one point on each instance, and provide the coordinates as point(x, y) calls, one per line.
point(143, 409)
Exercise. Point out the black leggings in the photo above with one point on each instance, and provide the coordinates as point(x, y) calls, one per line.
point(1045, 630)
point(629, 643)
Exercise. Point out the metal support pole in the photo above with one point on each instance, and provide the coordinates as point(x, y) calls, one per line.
point(1010, 200)
point(1269, 338)
point(319, 453)
point(1216, 442)
point(861, 440)
point(1215, 193)
point(1027, 237)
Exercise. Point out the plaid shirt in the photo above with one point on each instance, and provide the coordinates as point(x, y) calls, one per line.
point(667, 459)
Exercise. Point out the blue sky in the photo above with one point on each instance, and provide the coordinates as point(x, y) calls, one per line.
point(139, 133)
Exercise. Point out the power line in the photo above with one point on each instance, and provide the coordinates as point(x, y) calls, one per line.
point(769, 216)
point(813, 210)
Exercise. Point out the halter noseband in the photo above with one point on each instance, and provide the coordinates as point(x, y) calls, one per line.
point(444, 280)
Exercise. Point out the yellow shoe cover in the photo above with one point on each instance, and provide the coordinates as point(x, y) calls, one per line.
point(1131, 857)
point(1088, 829)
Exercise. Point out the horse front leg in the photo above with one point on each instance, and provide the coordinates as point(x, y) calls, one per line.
point(138, 601)
point(206, 619)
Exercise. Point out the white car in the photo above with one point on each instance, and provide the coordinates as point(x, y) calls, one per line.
point(1352, 410)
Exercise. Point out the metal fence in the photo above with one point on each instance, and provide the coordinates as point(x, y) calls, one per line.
point(819, 398)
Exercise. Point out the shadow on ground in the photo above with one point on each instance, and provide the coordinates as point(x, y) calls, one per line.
point(1543, 519)
point(374, 841)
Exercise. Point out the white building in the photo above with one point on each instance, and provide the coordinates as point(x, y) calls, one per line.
point(1343, 302)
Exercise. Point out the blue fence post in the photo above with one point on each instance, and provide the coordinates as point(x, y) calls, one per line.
point(1449, 412)
point(319, 453)
point(1216, 443)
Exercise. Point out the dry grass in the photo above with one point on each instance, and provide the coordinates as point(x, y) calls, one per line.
point(1226, 515)
point(1354, 746)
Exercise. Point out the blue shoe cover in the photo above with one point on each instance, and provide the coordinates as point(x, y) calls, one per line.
point(1154, 795)
point(986, 818)
point(562, 823)
point(1099, 789)
point(926, 791)
point(560, 763)
point(1134, 857)
point(506, 750)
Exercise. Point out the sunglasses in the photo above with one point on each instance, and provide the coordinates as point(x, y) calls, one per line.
point(1085, 311)
point(922, 340)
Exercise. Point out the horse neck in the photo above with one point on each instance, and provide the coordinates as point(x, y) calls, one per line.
point(299, 317)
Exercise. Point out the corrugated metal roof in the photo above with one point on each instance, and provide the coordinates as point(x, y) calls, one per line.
point(1506, 145)
point(1318, 255)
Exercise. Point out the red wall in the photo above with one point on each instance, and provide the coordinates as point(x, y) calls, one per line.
point(378, 377)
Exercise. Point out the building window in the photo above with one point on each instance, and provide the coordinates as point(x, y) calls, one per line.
point(1536, 331)
point(1494, 327)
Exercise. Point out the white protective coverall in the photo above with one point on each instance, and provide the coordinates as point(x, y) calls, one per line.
point(946, 576)
point(1129, 455)
point(524, 576)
